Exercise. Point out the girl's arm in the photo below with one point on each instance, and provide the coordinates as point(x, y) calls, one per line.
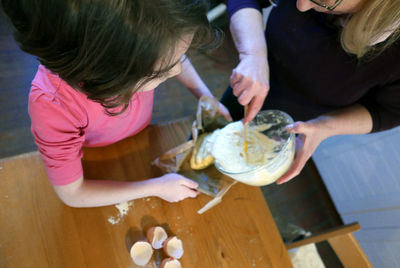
point(191, 79)
point(95, 193)
point(355, 119)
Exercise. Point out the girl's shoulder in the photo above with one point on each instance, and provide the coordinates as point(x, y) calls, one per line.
point(53, 97)
point(48, 86)
point(49, 83)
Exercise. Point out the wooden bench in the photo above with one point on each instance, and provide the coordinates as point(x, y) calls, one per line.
point(343, 242)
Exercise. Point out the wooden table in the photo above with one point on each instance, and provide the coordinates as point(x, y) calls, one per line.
point(37, 230)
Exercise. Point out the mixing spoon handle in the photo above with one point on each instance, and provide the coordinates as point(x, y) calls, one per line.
point(246, 126)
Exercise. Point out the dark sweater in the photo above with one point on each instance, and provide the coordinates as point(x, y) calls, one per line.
point(311, 74)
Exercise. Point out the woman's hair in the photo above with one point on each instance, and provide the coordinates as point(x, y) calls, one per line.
point(375, 19)
point(107, 49)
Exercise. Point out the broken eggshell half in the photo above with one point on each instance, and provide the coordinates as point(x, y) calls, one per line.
point(156, 236)
point(170, 263)
point(173, 247)
point(141, 252)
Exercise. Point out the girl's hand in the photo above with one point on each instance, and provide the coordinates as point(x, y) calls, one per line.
point(310, 136)
point(173, 187)
point(222, 110)
point(250, 83)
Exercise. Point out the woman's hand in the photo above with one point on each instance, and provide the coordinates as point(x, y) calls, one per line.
point(173, 187)
point(250, 82)
point(352, 120)
point(309, 137)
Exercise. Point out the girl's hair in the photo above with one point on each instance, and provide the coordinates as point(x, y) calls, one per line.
point(375, 19)
point(107, 49)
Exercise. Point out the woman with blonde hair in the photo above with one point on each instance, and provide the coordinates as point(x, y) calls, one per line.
point(334, 66)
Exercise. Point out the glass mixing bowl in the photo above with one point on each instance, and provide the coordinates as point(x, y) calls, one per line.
point(284, 151)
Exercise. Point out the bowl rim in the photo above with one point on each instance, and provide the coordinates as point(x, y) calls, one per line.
point(289, 141)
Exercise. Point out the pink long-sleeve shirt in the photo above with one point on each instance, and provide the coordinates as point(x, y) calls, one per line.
point(64, 120)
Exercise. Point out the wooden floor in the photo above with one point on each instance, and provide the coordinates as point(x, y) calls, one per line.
point(303, 201)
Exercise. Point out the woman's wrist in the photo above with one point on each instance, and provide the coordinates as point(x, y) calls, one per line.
point(247, 30)
point(325, 126)
point(259, 54)
point(354, 119)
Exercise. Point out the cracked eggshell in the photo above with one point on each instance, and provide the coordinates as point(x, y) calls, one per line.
point(173, 247)
point(170, 263)
point(156, 236)
point(141, 252)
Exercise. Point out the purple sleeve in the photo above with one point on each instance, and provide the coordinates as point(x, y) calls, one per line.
point(235, 5)
point(384, 106)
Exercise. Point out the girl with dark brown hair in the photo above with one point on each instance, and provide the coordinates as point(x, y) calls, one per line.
point(100, 61)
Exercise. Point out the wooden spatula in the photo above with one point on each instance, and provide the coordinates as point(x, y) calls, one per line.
point(246, 126)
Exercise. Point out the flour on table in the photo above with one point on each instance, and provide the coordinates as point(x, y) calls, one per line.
point(123, 209)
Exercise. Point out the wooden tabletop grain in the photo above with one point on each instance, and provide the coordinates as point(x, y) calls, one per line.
point(38, 230)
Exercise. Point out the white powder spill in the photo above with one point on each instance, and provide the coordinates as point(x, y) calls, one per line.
point(123, 209)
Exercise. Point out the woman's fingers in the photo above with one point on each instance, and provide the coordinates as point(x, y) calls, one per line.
point(307, 141)
point(254, 107)
point(297, 127)
point(295, 169)
point(235, 78)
